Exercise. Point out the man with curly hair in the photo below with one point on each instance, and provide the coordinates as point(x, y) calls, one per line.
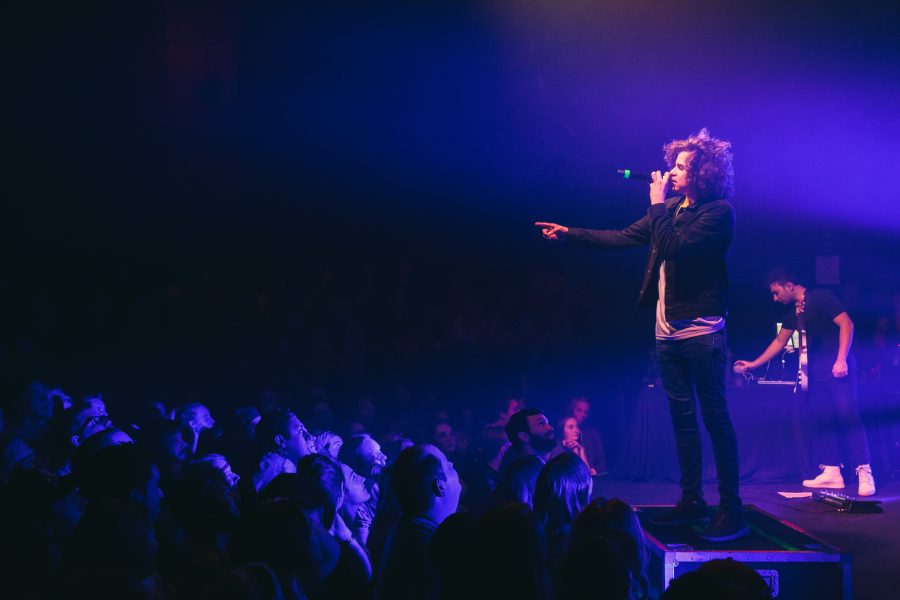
point(689, 235)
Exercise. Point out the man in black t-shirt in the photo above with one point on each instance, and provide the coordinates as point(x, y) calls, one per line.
point(832, 377)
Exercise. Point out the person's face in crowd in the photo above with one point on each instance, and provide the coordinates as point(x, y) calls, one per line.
point(175, 447)
point(784, 293)
point(679, 182)
point(581, 410)
point(445, 439)
point(333, 446)
point(571, 431)
point(197, 417)
point(355, 491)
point(97, 403)
point(372, 456)
point(298, 441)
point(452, 487)
point(90, 423)
point(541, 433)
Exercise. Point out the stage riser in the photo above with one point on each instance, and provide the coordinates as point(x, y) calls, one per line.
point(794, 563)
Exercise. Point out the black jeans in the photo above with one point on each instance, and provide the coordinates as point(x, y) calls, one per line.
point(692, 371)
point(834, 408)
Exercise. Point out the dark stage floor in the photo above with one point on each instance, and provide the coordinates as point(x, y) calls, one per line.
point(872, 539)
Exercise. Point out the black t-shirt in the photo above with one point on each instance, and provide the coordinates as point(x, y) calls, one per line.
point(822, 335)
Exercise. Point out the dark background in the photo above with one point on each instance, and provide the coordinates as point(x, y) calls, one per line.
point(209, 198)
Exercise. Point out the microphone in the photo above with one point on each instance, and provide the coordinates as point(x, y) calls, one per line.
point(637, 176)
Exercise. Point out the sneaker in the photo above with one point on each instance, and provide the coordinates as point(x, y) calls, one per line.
point(830, 477)
point(684, 513)
point(725, 527)
point(866, 481)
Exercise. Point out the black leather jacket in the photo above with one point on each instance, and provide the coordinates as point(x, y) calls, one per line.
point(693, 241)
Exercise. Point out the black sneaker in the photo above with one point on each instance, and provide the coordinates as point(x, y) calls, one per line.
point(684, 513)
point(725, 527)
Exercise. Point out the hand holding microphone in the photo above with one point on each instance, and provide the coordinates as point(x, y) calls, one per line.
point(659, 178)
point(659, 187)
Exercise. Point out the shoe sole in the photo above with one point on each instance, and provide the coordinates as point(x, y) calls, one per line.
point(727, 538)
point(824, 487)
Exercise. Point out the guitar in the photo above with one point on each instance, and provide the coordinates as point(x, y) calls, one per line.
point(803, 356)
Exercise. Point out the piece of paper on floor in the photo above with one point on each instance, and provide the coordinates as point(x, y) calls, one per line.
point(796, 494)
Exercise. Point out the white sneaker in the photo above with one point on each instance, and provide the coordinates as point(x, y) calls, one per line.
point(830, 477)
point(866, 481)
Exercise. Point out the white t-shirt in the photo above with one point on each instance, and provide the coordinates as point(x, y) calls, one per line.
point(681, 329)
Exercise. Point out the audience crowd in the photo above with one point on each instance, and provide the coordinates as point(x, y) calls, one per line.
point(356, 489)
point(188, 503)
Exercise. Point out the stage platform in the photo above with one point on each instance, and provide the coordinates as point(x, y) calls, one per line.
point(794, 563)
point(871, 542)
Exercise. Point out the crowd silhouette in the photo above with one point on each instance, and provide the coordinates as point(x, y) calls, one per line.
point(189, 503)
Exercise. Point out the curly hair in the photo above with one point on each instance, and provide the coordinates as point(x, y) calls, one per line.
point(709, 167)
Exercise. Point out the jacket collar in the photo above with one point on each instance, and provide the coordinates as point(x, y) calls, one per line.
point(674, 202)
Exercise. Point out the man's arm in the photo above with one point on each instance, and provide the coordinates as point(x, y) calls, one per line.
point(636, 234)
point(768, 354)
point(845, 324)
